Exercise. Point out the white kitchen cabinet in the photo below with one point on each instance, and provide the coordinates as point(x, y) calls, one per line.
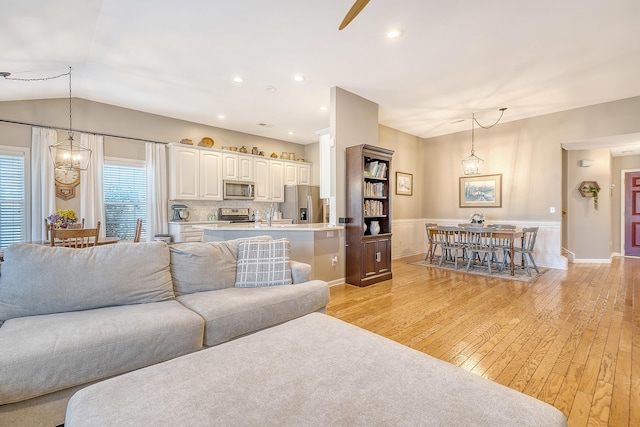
point(297, 173)
point(194, 174)
point(237, 167)
point(269, 175)
point(304, 174)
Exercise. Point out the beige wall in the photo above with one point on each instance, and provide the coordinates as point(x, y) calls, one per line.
point(528, 154)
point(407, 158)
point(100, 118)
point(589, 230)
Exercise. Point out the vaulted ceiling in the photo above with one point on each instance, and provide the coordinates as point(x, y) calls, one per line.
point(179, 59)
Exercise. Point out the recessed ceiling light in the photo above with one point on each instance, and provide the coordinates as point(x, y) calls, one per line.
point(270, 88)
point(394, 33)
point(238, 79)
point(324, 108)
point(290, 132)
point(298, 78)
point(221, 116)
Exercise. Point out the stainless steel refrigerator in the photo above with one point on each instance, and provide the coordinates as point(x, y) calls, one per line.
point(302, 203)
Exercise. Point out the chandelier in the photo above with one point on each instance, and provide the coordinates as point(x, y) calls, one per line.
point(66, 154)
point(472, 165)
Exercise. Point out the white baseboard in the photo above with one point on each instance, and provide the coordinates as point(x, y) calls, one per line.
point(337, 282)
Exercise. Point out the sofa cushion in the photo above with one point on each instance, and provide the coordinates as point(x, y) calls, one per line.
point(43, 354)
point(232, 312)
point(204, 266)
point(42, 279)
point(263, 263)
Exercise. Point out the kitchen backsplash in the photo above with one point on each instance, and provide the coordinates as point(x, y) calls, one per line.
point(199, 210)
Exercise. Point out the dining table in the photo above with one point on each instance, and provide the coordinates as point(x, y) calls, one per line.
point(509, 234)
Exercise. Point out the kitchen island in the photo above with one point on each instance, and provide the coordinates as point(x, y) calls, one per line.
point(313, 244)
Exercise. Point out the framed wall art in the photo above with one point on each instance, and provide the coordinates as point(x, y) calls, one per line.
point(483, 191)
point(404, 184)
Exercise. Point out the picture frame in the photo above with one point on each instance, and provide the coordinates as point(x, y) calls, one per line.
point(404, 184)
point(482, 191)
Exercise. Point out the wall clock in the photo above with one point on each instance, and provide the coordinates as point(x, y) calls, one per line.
point(67, 176)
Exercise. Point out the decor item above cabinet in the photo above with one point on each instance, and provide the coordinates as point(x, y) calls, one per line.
point(194, 174)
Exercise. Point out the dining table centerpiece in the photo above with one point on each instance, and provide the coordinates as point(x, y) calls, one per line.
point(63, 218)
point(477, 218)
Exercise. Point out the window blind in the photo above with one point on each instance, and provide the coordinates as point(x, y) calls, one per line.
point(12, 199)
point(125, 199)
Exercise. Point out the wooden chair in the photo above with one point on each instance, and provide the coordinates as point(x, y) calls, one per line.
point(481, 245)
point(526, 250)
point(452, 244)
point(136, 236)
point(432, 239)
point(74, 237)
point(47, 226)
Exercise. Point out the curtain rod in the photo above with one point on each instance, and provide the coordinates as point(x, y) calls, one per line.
point(83, 131)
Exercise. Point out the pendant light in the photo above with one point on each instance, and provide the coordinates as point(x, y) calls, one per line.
point(68, 154)
point(472, 165)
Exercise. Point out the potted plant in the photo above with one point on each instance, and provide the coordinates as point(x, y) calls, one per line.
point(594, 191)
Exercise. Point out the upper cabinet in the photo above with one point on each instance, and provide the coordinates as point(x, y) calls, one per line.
point(194, 174)
point(269, 175)
point(237, 167)
point(297, 173)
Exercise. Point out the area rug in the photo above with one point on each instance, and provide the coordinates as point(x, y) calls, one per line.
point(520, 274)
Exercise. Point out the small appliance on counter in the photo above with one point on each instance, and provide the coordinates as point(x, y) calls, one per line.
point(180, 212)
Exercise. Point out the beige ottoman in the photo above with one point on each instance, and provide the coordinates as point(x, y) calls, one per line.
point(314, 370)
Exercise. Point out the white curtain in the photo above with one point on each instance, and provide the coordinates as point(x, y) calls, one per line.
point(157, 199)
point(43, 192)
point(92, 185)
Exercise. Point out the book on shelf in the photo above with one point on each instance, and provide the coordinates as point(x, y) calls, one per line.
point(375, 169)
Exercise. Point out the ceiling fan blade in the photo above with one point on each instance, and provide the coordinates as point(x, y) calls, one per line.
point(353, 12)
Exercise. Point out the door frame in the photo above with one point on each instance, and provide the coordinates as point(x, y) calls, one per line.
point(623, 197)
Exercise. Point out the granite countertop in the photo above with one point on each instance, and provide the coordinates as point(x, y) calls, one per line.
point(273, 227)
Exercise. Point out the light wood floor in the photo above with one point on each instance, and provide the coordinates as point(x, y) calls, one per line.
point(571, 338)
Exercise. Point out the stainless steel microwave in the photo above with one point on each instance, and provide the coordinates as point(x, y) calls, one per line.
point(238, 190)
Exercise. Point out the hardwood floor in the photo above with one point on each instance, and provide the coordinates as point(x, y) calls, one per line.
point(571, 338)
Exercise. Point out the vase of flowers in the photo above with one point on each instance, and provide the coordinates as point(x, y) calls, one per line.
point(63, 218)
point(477, 218)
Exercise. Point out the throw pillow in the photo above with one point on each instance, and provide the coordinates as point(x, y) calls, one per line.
point(263, 263)
point(204, 266)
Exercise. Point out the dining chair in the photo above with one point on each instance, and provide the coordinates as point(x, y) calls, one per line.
point(138, 232)
point(47, 226)
point(481, 246)
point(432, 238)
point(452, 245)
point(74, 237)
point(529, 236)
point(501, 243)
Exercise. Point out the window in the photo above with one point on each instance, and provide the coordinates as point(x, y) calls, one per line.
point(13, 195)
point(125, 197)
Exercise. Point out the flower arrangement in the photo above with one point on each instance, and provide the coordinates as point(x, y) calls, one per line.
point(62, 218)
point(477, 218)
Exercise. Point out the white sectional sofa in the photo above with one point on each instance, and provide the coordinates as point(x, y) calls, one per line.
point(70, 318)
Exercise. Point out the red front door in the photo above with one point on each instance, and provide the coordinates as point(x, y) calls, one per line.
point(632, 214)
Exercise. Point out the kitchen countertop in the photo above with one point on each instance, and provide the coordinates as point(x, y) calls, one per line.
point(273, 227)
